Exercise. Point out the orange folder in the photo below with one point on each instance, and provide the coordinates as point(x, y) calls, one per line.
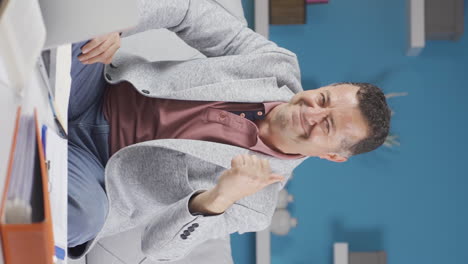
point(28, 243)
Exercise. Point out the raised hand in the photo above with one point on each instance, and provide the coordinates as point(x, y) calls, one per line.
point(248, 175)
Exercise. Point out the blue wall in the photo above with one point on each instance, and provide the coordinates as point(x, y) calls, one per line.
point(410, 200)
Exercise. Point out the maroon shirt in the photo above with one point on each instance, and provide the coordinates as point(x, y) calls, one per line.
point(135, 118)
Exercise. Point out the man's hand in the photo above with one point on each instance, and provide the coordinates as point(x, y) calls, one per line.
point(248, 175)
point(101, 49)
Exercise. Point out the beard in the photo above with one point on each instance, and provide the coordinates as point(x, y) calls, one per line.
point(283, 123)
point(281, 119)
point(278, 132)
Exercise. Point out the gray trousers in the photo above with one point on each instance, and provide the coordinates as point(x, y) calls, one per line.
point(88, 151)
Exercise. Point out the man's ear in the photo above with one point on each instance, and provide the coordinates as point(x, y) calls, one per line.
point(334, 157)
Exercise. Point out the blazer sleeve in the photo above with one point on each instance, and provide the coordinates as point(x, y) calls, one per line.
point(202, 24)
point(177, 232)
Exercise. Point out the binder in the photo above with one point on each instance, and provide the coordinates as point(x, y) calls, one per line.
point(29, 242)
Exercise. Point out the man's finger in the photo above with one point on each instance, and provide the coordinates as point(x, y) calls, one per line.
point(237, 161)
point(113, 49)
point(275, 178)
point(97, 51)
point(103, 57)
point(247, 159)
point(93, 44)
point(254, 160)
point(265, 164)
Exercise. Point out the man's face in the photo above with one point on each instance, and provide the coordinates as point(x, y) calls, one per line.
point(315, 122)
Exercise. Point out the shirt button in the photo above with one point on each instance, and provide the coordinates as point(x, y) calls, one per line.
point(183, 236)
point(145, 91)
point(191, 229)
point(108, 77)
point(222, 115)
point(242, 115)
point(259, 113)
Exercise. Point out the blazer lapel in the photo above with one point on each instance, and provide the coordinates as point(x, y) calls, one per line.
point(221, 154)
point(247, 90)
point(254, 90)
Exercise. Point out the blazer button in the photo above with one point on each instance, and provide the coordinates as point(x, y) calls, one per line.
point(191, 229)
point(145, 91)
point(187, 233)
point(183, 236)
point(195, 225)
point(108, 77)
point(113, 66)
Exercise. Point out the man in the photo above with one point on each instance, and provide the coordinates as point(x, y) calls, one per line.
point(199, 149)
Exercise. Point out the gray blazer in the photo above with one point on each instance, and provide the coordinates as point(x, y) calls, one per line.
point(150, 183)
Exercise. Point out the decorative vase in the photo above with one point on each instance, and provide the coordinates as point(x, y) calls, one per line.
point(282, 222)
point(284, 198)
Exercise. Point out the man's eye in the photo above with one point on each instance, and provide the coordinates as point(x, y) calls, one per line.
point(322, 99)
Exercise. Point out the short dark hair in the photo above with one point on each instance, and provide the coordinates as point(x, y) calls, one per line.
point(376, 114)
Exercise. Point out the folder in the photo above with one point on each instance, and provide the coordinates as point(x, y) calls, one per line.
point(27, 238)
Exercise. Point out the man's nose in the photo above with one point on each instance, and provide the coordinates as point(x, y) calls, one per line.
point(315, 115)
